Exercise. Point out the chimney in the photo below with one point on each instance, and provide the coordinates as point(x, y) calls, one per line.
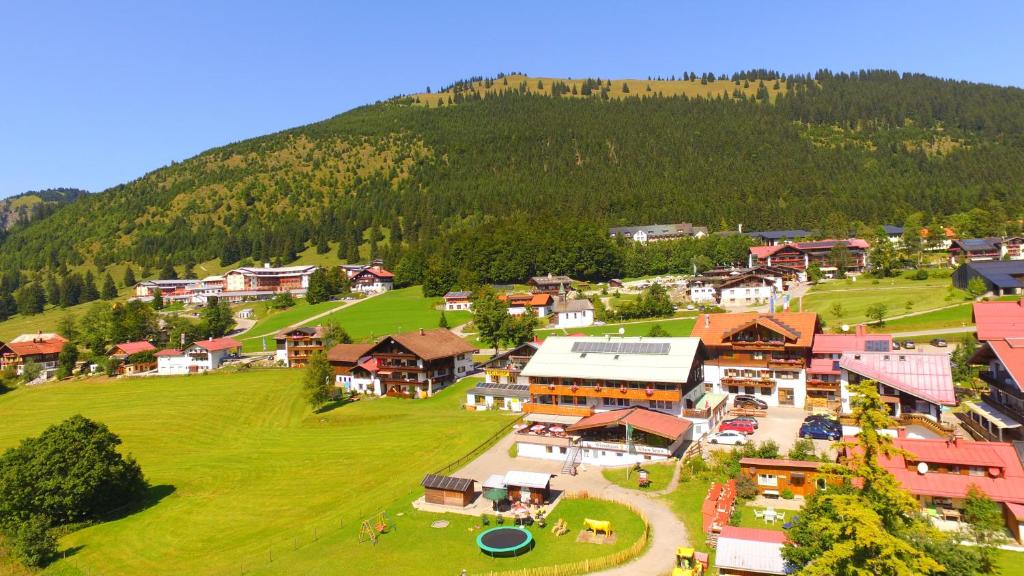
point(707, 320)
point(422, 333)
point(860, 330)
point(901, 432)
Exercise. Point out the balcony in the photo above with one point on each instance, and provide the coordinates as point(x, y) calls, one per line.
point(557, 409)
point(786, 363)
point(759, 344)
point(740, 381)
point(605, 392)
point(822, 385)
point(692, 413)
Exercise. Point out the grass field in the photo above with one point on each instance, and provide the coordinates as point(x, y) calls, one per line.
point(1010, 563)
point(686, 501)
point(273, 320)
point(659, 475)
point(956, 317)
point(244, 471)
point(401, 310)
point(856, 296)
point(674, 326)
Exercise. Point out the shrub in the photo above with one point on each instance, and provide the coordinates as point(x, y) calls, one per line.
point(746, 488)
point(803, 449)
point(786, 494)
point(921, 274)
point(32, 542)
point(484, 520)
point(513, 450)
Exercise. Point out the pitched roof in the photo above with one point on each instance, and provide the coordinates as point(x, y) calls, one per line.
point(531, 347)
point(460, 294)
point(130, 348)
point(926, 376)
point(751, 550)
point(1010, 353)
point(780, 463)
point(978, 244)
point(549, 279)
point(616, 358)
point(305, 331)
point(526, 299)
point(377, 271)
point(277, 271)
point(713, 329)
point(765, 251)
point(856, 342)
point(527, 479)
point(650, 421)
point(999, 320)
point(563, 306)
point(779, 234)
point(433, 344)
point(449, 483)
point(890, 229)
point(36, 344)
point(348, 353)
point(169, 352)
point(1002, 482)
point(216, 344)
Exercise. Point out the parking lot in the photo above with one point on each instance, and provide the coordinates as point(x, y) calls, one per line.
point(782, 424)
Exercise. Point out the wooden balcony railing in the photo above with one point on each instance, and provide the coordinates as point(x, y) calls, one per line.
point(557, 409)
point(693, 413)
point(794, 363)
point(605, 392)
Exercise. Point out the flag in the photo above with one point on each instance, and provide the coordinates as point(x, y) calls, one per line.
point(771, 303)
point(629, 439)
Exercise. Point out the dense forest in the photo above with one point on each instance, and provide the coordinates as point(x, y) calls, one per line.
point(526, 178)
point(34, 205)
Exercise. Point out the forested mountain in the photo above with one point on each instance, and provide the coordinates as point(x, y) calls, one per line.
point(34, 205)
point(511, 176)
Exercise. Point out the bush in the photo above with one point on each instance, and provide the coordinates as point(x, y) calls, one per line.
point(746, 488)
point(513, 450)
point(921, 274)
point(32, 542)
point(786, 494)
point(484, 520)
point(803, 449)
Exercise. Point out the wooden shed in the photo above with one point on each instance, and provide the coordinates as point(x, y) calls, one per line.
point(773, 476)
point(529, 487)
point(447, 490)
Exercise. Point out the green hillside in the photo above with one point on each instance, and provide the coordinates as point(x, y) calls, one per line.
point(485, 183)
point(34, 205)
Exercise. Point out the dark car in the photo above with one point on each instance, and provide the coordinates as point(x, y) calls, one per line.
point(819, 430)
point(750, 419)
point(821, 420)
point(737, 425)
point(895, 345)
point(748, 401)
point(939, 343)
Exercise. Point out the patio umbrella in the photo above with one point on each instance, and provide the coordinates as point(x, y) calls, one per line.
point(496, 494)
point(537, 428)
point(557, 429)
point(519, 426)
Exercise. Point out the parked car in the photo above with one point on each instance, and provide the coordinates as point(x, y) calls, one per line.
point(909, 344)
point(728, 437)
point(744, 426)
point(750, 419)
point(939, 343)
point(895, 345)
point(749, 401)
point(822, 420)
point(819, 430)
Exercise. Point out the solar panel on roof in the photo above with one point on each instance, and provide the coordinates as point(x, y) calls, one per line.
point(655, 348)
point(876, 346)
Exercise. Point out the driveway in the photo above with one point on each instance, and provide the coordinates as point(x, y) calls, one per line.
point(782, 424)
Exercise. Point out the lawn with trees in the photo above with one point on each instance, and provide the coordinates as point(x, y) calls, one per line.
point(237, 476)
point(851, 302)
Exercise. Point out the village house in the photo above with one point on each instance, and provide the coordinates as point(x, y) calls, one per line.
point(702, 290)
point(940, 472)
point(824, 389)
point(294, 346)
point(748, 289)
point(550, 284)
point(372, 280)
point(948, 235)
point(999, 414)
point(775, 237)
point(894, 234)
point(764, 355)
point(133, 357)
point(294, 279)
point(915, 386)
point(504, 387)
point(458, 300)
point(773, 476)
point(41, 349)
point(802, 255)
point(1001, 278)
point(573, 313)
point(171, 290)
point(202, 290)
point(349, 374)
point(572, 378)
point(539, 303)
point(410, 365)
point(656, 232)
point(975, 250)
point(201, 356)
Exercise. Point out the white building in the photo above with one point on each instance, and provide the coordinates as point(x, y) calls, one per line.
point(504, 387)
point(573, 313)
point(280, 279)
point(748, 290)
point(702, 291)
point(201, 356)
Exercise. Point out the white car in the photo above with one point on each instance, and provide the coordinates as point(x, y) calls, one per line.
point(731, 437)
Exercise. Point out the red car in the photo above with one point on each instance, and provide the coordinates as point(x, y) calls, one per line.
point(744, 426)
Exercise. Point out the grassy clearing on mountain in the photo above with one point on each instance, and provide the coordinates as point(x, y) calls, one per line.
point(899, 295)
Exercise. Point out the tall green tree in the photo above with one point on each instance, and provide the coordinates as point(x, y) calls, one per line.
point(216, 318)
point(66, 360)
point(316, 381)
point(490, 317)
point(129, 277)
point(109, 290)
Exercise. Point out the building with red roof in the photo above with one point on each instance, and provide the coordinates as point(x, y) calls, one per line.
point(41, 349)
point(801, 255)
point(940, 472)
point(913, 385)
point(750, 551)
point(372, 280)
point(823, 385)
point(133, 357)
point(201, 356)
point(539, 302)
point(999, 415)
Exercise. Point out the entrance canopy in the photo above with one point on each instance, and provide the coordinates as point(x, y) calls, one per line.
point(989, 413)
point(643, 419)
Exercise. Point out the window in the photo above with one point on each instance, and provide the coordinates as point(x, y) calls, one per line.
point(820, 483)
point(734, 389)
point(758, 355)
point(976, 471)
point(748, 389)
point(660, 404)
point(767, 480)
point(615, 401)
point(766, 391)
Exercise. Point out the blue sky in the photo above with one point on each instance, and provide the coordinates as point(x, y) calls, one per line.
point(93, 94)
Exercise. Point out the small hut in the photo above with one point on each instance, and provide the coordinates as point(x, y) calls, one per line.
point(531, 487)
point(447, 490)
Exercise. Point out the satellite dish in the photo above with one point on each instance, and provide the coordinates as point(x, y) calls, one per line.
point(922, 468)
point(845, 327)
point(622, 330)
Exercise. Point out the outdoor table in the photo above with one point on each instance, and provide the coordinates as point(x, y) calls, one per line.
point(950, 514)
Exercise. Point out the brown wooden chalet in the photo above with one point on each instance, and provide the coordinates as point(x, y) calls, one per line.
point(551, 284)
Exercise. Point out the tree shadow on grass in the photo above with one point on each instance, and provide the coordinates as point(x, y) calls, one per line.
point(152, 497)
point(333, 405)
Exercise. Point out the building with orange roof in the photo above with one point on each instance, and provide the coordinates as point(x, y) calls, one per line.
point(201, 356)
point(40, 348)
point(758, 354)
point(999, 415)
point(539, 302)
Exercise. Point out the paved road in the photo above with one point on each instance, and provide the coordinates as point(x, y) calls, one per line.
point(309, 319)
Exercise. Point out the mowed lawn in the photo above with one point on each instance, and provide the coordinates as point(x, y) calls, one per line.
point(955, 317)
point(247, 472)
point(274, 320)
point(856, 296)
point(402, 310)
point(674, 327)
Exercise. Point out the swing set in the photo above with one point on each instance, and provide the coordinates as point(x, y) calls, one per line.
point(372, 528)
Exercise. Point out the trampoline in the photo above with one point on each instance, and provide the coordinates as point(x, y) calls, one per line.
point(505, 541)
